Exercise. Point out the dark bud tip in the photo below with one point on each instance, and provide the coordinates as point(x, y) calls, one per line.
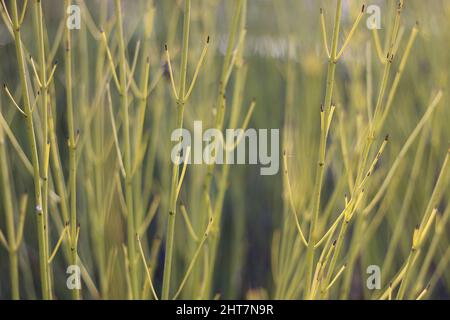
point(334, 242)
point(386, 138)
point(207, 39)
point(165, 47)
point(321, 10)
point(363, 8)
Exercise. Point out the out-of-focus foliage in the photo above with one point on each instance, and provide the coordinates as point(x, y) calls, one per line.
point(253, 248)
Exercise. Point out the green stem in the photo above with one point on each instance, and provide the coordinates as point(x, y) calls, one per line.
point(44, 271)
point(127, 154)
point(9, 213)
point(72, 152)
point(44, 106)
point(403, 285)
point(434, 245)
point(406, 204)
point(337, 250)
point(175, 167)
point(220, 105)
point(375, 125)
point(322, 151)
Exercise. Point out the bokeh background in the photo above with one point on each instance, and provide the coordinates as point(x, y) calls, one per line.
point(285, 71)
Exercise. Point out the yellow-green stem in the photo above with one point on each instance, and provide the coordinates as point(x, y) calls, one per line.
point(44, 270)
point(9, 213)
point(322, 151)
point(175, 165)
point(72, 152)
point(220, 105)
point(127, 154)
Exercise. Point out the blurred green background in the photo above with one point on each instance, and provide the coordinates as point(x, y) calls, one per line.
point(286, 67)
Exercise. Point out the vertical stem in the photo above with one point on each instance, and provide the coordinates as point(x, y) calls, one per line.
point(72, 152)
point(220, 105)
point(43, 266)
point(44, 106)
point(127, 154)
point(9, 212)
point(322, 150)
point(223, 83)
point(139, 192)
point(98, 233)
point(374, 125)
point(175, 165)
